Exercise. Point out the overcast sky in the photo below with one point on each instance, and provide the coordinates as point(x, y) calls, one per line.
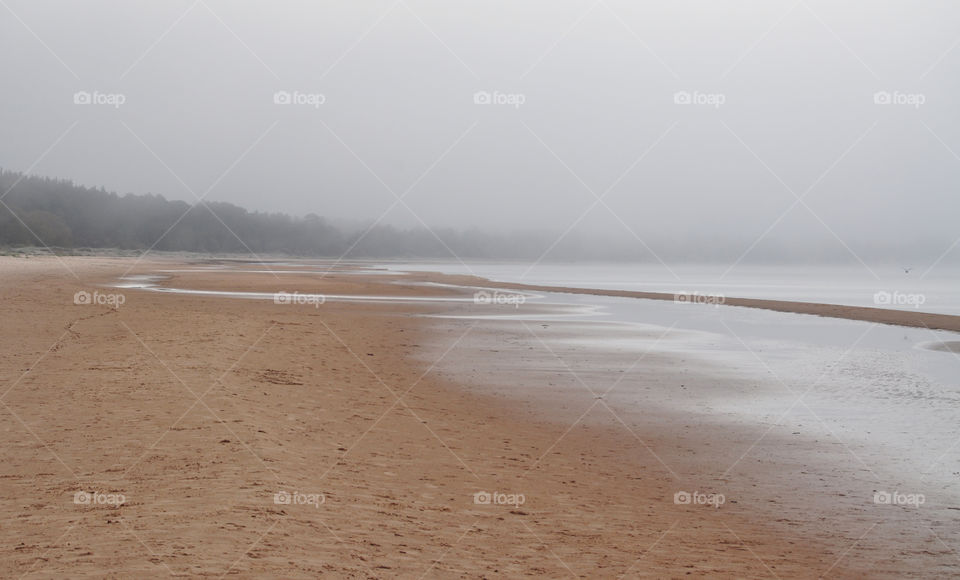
point(709, 118)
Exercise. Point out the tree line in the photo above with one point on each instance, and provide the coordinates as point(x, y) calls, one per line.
point(58, 213)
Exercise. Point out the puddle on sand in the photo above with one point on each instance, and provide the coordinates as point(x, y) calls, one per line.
point(138, 282)
point(323, 272)
point(150, 283)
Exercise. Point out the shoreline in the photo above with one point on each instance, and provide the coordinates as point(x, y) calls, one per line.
point(200, 409)
point(929, 320)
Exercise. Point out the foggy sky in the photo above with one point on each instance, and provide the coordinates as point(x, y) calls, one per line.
point(597, 81)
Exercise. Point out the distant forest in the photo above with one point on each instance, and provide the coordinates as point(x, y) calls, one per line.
point(57, 213)
point(61, 215)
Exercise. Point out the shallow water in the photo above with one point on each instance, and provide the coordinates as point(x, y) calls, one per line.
point(152, 283)
point(938, 290)
point(888, 394)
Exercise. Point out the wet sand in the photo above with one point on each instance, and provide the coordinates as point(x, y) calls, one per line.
point(198, 410)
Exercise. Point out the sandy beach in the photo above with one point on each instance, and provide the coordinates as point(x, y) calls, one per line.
point(154, 434)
